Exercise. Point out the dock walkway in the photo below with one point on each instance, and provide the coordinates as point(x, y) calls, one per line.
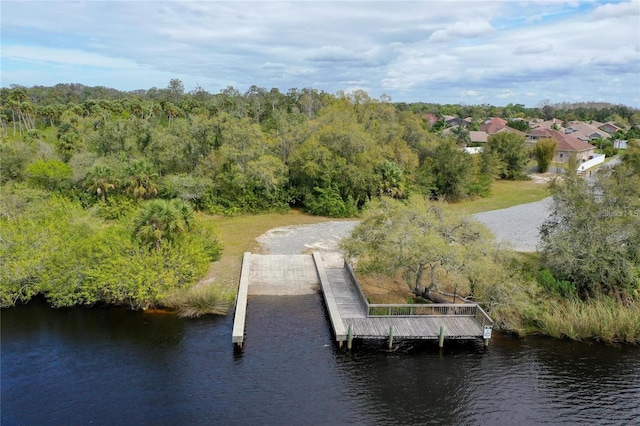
point(350, 313)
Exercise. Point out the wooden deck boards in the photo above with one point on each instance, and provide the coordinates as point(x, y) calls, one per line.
point(346, 306)
point(415, 327)
point(353, 313)
point(345, 294)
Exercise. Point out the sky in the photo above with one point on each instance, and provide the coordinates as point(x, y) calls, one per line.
point(462, 52)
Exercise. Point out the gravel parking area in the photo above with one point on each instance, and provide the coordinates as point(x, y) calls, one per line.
point(516, 227)
point(299, 239)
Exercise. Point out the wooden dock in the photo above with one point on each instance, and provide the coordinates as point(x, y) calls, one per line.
point(352, 316)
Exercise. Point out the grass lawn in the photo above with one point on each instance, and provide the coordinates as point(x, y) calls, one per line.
point(505, 194)
point(238, 234)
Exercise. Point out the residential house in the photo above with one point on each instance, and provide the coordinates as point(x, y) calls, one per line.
point(540, 124)
point(430, 119)
point(567, 144)
point(478, 136)
point(493, 125)
point(452, 120)
point(496, 125)
point(585, 131)
point(610, 128)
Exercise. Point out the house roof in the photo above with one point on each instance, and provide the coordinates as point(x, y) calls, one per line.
point(566, 143)
point(584, 131)
point(478, 136)
point(542, 124)
point(493, 125)
point(610, 125)
point(430, 118)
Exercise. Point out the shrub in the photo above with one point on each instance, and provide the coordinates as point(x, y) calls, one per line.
point(555, 286)
point(329, 202)
point(52, 175)
point(201, 300)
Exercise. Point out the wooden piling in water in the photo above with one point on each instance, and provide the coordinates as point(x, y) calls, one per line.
point(349, 336)
point(441, 338)
point(391, 337)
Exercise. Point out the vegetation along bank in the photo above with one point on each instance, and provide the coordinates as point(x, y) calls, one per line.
point(115, 197)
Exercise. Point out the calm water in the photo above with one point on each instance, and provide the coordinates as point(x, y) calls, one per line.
point(113, 366)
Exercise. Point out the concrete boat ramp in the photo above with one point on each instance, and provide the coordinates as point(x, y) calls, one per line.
point(350, 313)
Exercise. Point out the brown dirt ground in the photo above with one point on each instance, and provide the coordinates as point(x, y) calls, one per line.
point(382, 289)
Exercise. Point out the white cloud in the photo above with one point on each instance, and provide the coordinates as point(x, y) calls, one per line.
point(617, 10)
point(477, 50)
point(38, 54)
point(533, 49)
point(462, 30)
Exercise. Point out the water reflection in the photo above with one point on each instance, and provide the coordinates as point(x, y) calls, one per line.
point(113, 366)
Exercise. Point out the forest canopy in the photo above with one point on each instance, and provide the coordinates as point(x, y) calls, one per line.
point(94, 179)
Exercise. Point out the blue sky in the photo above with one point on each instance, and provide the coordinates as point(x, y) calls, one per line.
point(469, 52)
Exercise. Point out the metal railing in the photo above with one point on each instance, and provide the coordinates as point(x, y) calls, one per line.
point(419, 309)
point(483, 317)
point(410, 310)
point(363, 299)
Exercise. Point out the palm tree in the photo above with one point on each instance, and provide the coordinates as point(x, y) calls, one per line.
point(162, 220)
point(461, 136)
point(100, 180)
point(140, 179)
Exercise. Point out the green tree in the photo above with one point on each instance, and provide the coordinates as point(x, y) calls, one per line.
point(513, 152)
point(68, 140)
point(52, 175)
point(414, 238)
point(461, 135)
point(100, 180)
point(14, 157)
point(140, 179)
point(392, 180)
point(592, 237)
point(452, 171)
point(544, 151)
point(162, 220)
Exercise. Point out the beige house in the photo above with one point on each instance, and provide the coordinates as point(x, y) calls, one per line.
point(567, 145)
point(585, 131)
point(609, 127)
point(540, 124)
point(478, 136)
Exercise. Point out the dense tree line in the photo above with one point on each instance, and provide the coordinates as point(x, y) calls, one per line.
point(234, 151)
point(130, 173)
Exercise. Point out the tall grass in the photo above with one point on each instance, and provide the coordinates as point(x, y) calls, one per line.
point(201, 300)
point(602, 319)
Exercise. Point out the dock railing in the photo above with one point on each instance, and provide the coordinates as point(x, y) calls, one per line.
point(483, 317)
point(363, 299)
point(418, 309)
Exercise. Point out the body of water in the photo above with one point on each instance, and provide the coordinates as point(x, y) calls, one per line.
point(114, 366)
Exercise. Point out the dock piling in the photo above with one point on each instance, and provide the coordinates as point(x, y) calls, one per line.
point(441, 338)
point(349, 336)
point(391, 337)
